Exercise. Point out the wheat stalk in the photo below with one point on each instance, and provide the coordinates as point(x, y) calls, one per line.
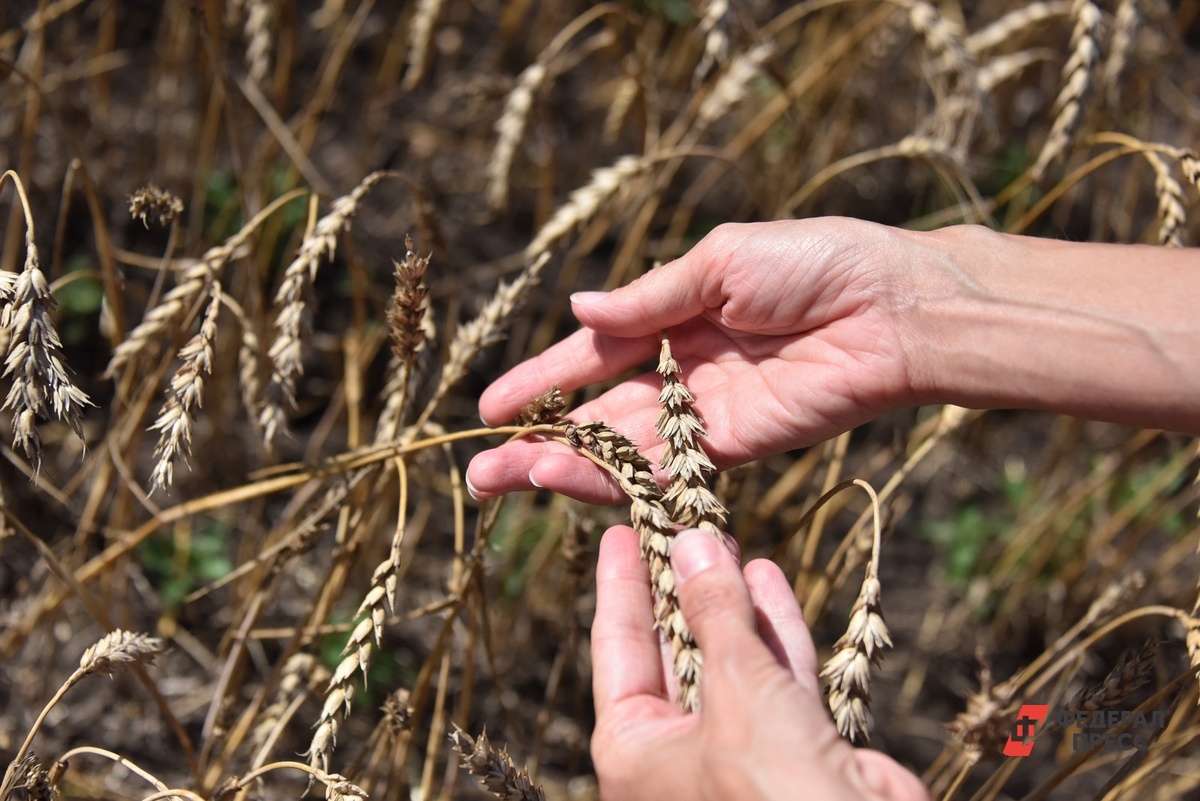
point(848, 671)
point(196, 279)
point(293, 317)
point(1077, 81)
point(186, 395)
point(41, 384)
point(494, 768)
point(656, 530)
point(111, 652)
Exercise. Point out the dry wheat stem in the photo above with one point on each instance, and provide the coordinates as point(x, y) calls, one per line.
point(185, 397)
point(41, 384)
point(494, 768)
point(1077, 81)
point(293, 316)
point(848, 671)
point(656, 530)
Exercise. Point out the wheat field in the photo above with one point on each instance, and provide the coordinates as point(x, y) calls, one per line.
point(261, 258)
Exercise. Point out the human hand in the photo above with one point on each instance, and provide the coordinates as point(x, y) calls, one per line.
point(787, 334)
point(762, 732)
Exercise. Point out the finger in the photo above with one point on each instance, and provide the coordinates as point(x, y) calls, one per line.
point(714, 598)
point(583, 358)
point(515, 467)
point(781, 623)
point(667, 295)
point(625, 654)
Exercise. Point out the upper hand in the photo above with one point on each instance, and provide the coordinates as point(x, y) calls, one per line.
point(787, 334)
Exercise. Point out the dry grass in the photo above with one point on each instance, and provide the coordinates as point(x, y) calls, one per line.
point(192, 173)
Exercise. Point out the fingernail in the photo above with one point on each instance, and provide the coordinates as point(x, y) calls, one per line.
point(588, 298)
point(474, 493)
point(484, 420)
point(534, 481)
point(693, 552)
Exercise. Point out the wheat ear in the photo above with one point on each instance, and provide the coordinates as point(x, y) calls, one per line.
point(420, 34)
point(1012, 23)
point(656, 530)
point(733, 84)
point(151, 202)
point(848, 671)
point(41, 384)
point(509, 130)
point(258, 32)
point(186, 395)
point(687, 499)
point(714, 25)
point(1127, 20)
point(406, 317)
point(293, 316)
point(584, 202)
point(1077, 81)
point(1172, 213)
point(113, 651)
point(494, 768)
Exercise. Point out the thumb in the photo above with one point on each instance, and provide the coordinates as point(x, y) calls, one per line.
point(666, 296)
point(713, 596)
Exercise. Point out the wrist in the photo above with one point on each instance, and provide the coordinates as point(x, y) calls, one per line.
point(1099, 331)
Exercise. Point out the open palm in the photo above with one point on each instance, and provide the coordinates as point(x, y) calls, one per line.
point(785, 331)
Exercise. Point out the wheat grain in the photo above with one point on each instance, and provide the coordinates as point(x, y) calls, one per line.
point(41, 383)
point(1172, 213)
point(297, 671)
point(687, 499)
point(185, 397)
point(545, 409)
point(509, 130)
point(32, 780)
point(494, 768)
point(1189, 162)
point(986, 723)
point(151, 202)
point(293, 316)
point(1077, 81)
point(584, 202)
point(626, 92)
